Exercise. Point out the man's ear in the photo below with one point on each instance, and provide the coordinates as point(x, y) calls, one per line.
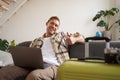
point(46, 24)
point(57, 28)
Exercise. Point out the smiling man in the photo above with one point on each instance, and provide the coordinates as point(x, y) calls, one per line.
point(54, 47)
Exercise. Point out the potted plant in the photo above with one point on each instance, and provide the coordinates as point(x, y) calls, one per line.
point(4, 44)
point(107, 18)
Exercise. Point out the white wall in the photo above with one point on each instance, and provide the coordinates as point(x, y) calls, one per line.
point(76, 16)
point(117, 29)
point(118, 3)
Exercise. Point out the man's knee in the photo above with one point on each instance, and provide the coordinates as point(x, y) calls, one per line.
point(32, 76)
point(36, 75)
point(43, 74)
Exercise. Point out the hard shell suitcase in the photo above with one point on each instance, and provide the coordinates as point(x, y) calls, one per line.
point(88, 70)
point(94, 46)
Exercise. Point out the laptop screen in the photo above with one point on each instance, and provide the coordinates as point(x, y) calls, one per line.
point(27, 57)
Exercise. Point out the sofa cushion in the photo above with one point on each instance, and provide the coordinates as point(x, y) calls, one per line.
point(5, 58)
point(13, 72)
point(25, 43)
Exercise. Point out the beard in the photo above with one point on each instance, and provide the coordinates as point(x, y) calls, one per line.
point(51, 31)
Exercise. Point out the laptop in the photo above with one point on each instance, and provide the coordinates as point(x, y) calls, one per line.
point(27, 57)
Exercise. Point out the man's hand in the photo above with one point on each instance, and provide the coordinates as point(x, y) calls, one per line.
point(72, 39)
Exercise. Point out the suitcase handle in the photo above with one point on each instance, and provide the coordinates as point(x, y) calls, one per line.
point(97, 38)
point(92, 58)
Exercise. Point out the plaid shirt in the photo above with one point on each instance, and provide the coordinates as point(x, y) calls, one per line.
point(60, 47)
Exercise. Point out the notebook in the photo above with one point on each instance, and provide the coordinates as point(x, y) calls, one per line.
point(27, 57)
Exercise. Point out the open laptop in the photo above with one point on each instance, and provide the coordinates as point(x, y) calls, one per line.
point(27, 57)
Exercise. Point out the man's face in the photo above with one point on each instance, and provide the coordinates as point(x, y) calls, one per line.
point(52, 26)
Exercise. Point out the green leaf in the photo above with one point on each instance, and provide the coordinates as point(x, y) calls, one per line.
point(106, 17)
point(118, 22)
point(12, 43)
point(101, 12)
point(116, 10)
point(98, 15)
point(111, 13)
point(4, 44)
point(101, 23)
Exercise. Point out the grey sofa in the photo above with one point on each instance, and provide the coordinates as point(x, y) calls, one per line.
point(78, 50)
point(92, 49)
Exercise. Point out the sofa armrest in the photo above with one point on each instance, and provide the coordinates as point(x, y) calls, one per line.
point(76, 50)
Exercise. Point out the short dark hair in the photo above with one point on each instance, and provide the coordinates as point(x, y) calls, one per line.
point(54, 17)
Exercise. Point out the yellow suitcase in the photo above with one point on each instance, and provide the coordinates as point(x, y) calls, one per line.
point(88, 70)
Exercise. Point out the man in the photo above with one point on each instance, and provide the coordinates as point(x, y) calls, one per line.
point(54, 49)
point(54, 46)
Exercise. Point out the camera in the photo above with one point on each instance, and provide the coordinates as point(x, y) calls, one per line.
point(112, 55)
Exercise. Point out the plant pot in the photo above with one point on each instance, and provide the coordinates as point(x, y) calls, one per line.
point(107, 34)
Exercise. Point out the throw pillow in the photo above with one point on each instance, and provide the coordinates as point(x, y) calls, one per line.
point(5, 58)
